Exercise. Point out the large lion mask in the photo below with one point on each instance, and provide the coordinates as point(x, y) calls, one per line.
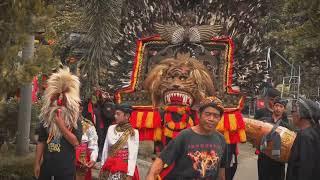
point(179, 81)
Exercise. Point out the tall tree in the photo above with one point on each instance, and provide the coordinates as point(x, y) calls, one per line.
point(100, 20)
point(66, 20)
point(297, 33)
point(20, 19)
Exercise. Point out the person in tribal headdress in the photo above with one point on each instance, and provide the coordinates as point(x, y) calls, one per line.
point(304, 161)
point(87, 151)
point(60, 128)
point(120, 151)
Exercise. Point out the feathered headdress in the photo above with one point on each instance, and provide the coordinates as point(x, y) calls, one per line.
point(63, 94)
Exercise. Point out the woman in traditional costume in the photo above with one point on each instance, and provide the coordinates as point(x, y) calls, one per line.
point(87, 151)
point(120, 149)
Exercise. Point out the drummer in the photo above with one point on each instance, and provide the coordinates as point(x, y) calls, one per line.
point(269, 96)
point(269, 169)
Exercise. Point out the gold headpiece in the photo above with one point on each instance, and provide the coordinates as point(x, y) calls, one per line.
point(212, 100)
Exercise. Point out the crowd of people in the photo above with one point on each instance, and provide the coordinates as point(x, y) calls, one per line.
point(304, 159)
point(70, 144)
point(73, 155)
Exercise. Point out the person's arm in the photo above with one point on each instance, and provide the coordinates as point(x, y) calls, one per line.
point(133, 147)
point(93, 145)
point(37, 163)
point(155, 169)
point(40, 149)
point(73, 139)
point(104, 155)
point(168, 156)
point(222, 174)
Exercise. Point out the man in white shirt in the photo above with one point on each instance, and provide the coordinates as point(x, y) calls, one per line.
point(120, 149)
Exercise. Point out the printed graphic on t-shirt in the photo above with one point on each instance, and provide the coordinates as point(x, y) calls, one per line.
point(204, 160)
point(54, 145)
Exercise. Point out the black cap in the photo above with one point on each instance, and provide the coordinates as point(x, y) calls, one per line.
point(309, 110)
point(278, 100)
point(126, 108)
point(109, 105)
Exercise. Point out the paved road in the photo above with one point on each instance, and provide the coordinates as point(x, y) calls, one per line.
point(247, 167)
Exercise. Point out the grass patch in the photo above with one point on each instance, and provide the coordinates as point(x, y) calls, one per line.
point(16, 166)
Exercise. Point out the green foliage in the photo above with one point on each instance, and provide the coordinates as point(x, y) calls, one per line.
point(101, 19)
point(297, 33)
point(19, 18)
point(15, 72)
point(302, 32)
point(67, 19)
point(9, 116)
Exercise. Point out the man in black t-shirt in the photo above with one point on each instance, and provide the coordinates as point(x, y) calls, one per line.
point(198, 152)
point(60, 129)
point(58, 154)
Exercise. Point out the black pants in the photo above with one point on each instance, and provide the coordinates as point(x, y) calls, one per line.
point(230, 172)
point(60, 177)
point(231, 161)
point(269, 169)
point(47, 172)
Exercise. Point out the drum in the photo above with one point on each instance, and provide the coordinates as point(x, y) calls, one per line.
point(255, 130)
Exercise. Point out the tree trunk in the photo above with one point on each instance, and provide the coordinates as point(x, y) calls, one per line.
point(25, 104)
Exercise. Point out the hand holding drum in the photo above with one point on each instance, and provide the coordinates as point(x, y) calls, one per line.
point(255, 130)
